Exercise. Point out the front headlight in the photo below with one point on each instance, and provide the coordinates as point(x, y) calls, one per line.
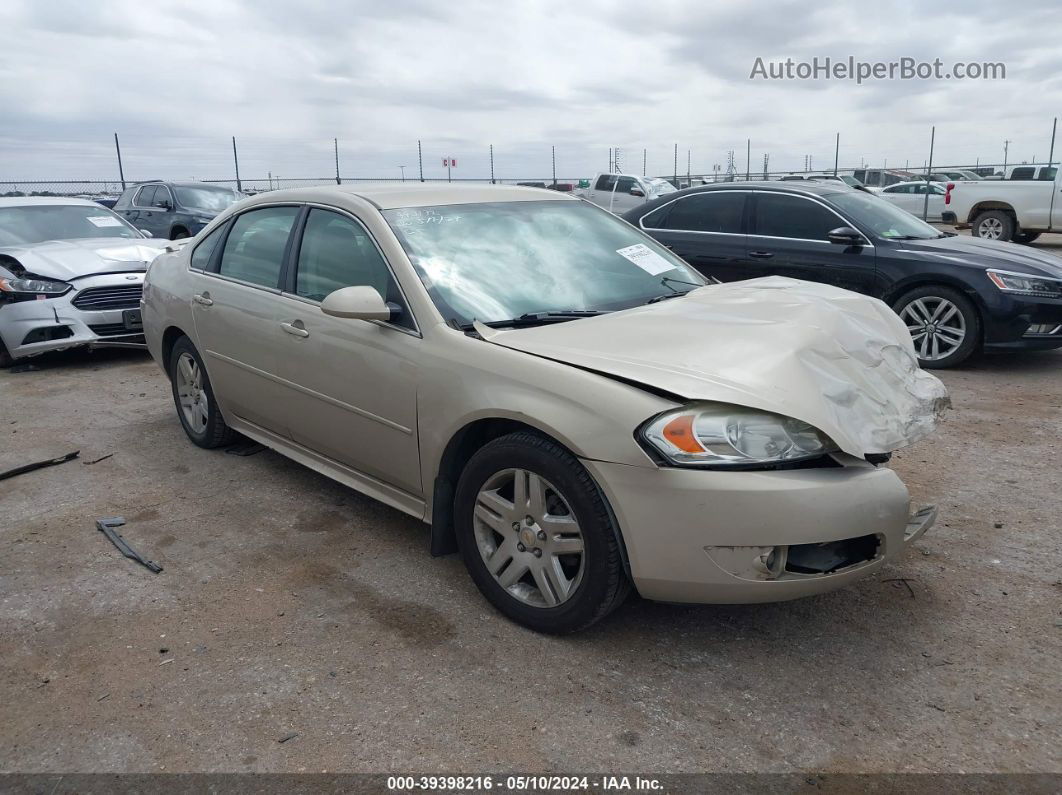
point(719, 435)
point(1026, 284)
point(33, 286)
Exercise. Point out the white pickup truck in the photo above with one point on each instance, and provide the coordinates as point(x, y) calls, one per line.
point(1016, 210)
point(621, 192)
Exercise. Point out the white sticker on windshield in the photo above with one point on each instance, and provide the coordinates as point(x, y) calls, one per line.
point(645, 258)
point(104, 220)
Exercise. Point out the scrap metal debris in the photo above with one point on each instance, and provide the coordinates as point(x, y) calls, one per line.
point(287, 737)
point(97, 460)
point(39, 465)
point(106, 526)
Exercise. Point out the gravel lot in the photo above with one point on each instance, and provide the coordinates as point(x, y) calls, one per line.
point(290, 605)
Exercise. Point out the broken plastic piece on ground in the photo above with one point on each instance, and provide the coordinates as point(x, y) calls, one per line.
point(10, 473)
point(107, 525)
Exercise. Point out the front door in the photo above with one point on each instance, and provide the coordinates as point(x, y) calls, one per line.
point(235, 308)
point(351, 384)
point(707, 230)
point(789, 236)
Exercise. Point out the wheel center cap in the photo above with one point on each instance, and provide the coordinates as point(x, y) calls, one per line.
point(528, 537)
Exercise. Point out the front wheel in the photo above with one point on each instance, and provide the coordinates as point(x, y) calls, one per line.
point(536, 535)
point(194, 398)
point(944, 324)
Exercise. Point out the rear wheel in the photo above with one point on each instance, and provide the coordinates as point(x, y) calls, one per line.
point(179, 234)
point(536, 535)
point(944, 324)
point(194, 398)
point(1026, 237)
point(994, 225)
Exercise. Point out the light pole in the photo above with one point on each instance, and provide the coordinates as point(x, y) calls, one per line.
point(1006, 146)
point(403, 168)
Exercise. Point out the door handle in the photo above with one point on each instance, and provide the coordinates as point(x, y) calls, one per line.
point(761, 254)
point(203, 298)
point(296, 328)
point(669, 247)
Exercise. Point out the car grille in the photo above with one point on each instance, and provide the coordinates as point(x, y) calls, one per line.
point(112, 330)
point(118, 297)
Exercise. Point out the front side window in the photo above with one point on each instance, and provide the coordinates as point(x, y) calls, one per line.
point(605, 182)
point(882, 217)
point(497, 261)
point(36, 223)
point(337, 252)
point(254, 249)
point(780, 215)
point(717, 211)
point(625, 184)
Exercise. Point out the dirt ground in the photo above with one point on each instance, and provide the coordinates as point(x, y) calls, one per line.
point(290, 605)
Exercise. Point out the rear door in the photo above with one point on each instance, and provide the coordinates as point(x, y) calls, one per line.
point(708, 231)
point(235, 307)
point(146, 211)
point(788, 236)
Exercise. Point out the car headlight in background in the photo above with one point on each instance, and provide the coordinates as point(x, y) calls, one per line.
point(1026, 284)
point(718, 435)
point(33, 287)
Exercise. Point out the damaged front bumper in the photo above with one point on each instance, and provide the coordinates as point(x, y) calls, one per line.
point(100, 311)
point(736, 537)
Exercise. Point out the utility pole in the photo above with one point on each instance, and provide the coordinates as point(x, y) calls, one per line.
point(643, 162)
point(335, 143)
point(492, 164)
point(687, 168)
point(836, 153)
point(1006, 146)
point(1051, 155)
point(236, 162)
point(553, 153)
point(420, 160)
point(121, 173)
point(676, 165)
point(929, 168)
point(766, 158)
point(748, 159)
point(610, 169)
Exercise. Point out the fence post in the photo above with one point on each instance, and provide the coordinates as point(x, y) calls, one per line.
point(836, 153)
point(335, 143)
point(929, 168)
point(676, 166)
point(553, 154)
point(748, 160)
point(420, 160)
point(492, 164)
point(121, 173)
point(236, 162)
point(1051, 155)
point(643, 162)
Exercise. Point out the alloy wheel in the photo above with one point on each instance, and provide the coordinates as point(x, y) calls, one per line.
point(937, 327)
point(190, 392)
point(529, 538)
point(990, 229)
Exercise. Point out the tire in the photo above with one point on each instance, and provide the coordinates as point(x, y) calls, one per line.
point(994, 225)
point(179, 234)
point(553, 592)
point(919, 311)
point(202, 421)
point(1025, 237)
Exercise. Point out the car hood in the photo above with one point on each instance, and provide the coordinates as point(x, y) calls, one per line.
point(838, 360)
point(72, 259)
point(978, 253)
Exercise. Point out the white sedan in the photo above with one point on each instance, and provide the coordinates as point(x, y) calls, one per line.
point(911, 196)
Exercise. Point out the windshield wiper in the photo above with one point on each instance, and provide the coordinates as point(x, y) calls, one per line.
point(538, 318)
point(666, 281)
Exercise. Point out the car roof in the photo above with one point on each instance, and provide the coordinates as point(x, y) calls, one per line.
point(398, 195)
point(810, 186)
point(22, 201)
point(182, 184)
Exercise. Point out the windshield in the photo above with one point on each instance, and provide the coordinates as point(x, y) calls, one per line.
point(660, 187)
point(204, 198)
point(36, 223)
point(882, 217)
point(498, 261)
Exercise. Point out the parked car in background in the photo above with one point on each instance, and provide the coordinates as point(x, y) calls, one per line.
point(954, 175)
point(957, 295)
point(1014, 210)
point(620, 192)
point(847, 179)
point(71, 273)
point(532, 184)
point(1028, 173)
point(558, 395)
point(563, 187)
point(877, 178)
point(911, 196)
point(173, 210)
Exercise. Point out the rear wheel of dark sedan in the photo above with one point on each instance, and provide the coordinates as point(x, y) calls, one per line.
point(1025, 237)
point(945, 325)
point(994, 225)
point(536, 535)
point(194, 398)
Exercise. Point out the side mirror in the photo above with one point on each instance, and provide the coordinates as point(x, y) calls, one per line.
point(163, 205)
point(636, 191)
point(845, 236)
point(360, 303)
point(147, 233)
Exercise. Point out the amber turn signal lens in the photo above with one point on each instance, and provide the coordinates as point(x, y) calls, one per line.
point(680, 433)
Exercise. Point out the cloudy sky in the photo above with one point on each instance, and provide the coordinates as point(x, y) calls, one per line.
point(177, 79)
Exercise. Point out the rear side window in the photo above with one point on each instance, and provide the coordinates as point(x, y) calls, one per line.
point(1022, 173)
point(718, 211)
point(205, 249)
point(605, 182)
point(146, 197)
point(780, 215)
point(1047, 174)
point(254, 249)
